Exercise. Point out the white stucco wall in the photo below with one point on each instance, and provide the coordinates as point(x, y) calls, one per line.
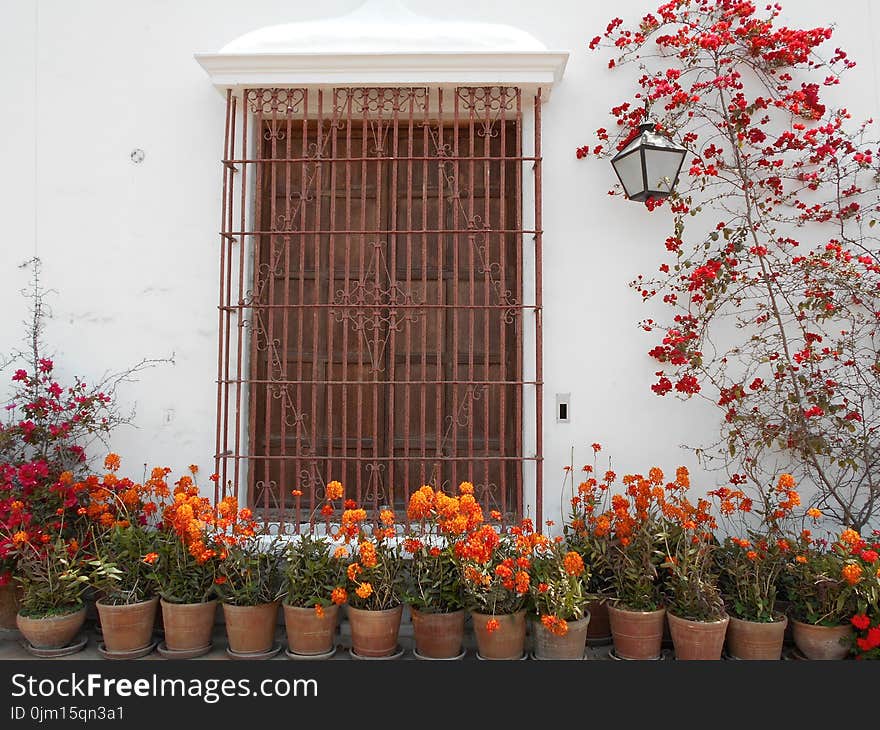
point(130, 249)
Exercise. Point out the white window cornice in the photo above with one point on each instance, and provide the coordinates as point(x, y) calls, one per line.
point(382, 43)
point(525, 70)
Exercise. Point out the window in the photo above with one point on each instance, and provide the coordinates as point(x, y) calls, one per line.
point(372, 309)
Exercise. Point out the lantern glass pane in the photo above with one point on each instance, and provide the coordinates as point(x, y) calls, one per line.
point(662, 168)
point(629, 169)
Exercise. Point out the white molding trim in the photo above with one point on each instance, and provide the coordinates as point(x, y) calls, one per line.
point(527, 70)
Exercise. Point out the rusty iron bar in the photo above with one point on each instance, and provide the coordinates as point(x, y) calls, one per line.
point(539, 326)
point(379, 310)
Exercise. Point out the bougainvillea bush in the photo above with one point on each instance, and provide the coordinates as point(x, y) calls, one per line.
point(771, 278)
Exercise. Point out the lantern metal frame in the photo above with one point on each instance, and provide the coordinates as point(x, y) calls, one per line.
point(641, 150)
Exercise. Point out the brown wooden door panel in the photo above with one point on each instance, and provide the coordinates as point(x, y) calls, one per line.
point(387, 333)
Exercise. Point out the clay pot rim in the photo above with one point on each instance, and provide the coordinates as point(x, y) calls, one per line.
point(54, 617)
point(276, 603)
point(724, 620)
point(398, 607)
point(496, 615)
point(617, 607)
point(154, 599)
point(783, 619)
point(196, 603)
point(586, 617)
point(822, 626)
point(436, 613)
point(310, 608)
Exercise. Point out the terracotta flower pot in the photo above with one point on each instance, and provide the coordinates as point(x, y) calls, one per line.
point(10, 603)
point(572, 645)
point(188, 626)
point(599, 628)
point(697, 640)
point(755, 640)
point(506, 641)
point(637, 634)
point(438, 635)
point(307, 633)
point(127, 627)
point(822, 642)
point(251, 629)
point(52, 632)
point(374, 633)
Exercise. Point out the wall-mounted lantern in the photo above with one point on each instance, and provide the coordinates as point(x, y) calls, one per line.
point(648, 167)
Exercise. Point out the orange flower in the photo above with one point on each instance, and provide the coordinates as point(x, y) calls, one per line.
point(386, 516)
point(111, 462)
point(368, 554)
point(353, 571)
point(543, 588)
point(573, 564)
point(193, 469)
point(801, 559)
point(364, 590)
point(297, 492)
point(752, 555)
point(334, 490)
point(466, 488)
point(319, 610)
point(850, 537)
point(522, 582)
point(19, 538)
point(814, 513)
point(851, 573)
point(786, 482)
point(495, 515)
point(492, 625)
point(340, 552)
point(339, 596)
point(555, 625)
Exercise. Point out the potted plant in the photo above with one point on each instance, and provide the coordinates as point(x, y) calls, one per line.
point(559, 597)
point(374, 578)
point(495, 565)
point(123, 547)
point(186, 568)
point(46, 430)
point(249, 583)
point(249, 580)
point(751, 562)
point(630, 537)
point(695, 608)
point(588, 502)
point(53, 578)
point(314, 573)
point(433, 581)
point(829, 585)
